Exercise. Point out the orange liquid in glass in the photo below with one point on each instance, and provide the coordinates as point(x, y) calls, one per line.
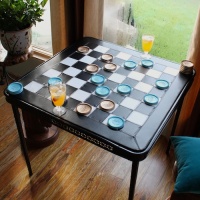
point(58, 95)
point(147, 43)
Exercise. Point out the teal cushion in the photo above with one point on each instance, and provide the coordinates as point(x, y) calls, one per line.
point(187, 152)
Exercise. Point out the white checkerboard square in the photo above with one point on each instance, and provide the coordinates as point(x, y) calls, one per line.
point(101, 49)
point(52, 73)
point(87, 59)
point(80, 95)
point(117, 78)
point(136, 75)
point(69, 61)
point(143, 87)
point(171, 71)
point(123, 56)
point(130, 103)
point(33, 86)
point(137, 118)
point(154, 73)
point(71, 71)
point(76, 82)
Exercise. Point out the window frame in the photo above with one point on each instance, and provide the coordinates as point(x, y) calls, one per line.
point(58, 31)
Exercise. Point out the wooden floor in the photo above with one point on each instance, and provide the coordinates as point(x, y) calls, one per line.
point(73, 169)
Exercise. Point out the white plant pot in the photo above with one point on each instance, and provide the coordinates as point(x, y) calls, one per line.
point(17, 42)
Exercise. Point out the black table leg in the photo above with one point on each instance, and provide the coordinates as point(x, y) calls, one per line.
point(3, 76)
point(134, 172)
point(22, 139)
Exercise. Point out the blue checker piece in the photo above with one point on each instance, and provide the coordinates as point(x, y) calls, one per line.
point(102, 91)
point(146, 63)
point(151, 99)
point(129, 64)
point(162, 84)
point(124, 89)
point(97, 79)
point(54, 80)
point(116, 122)
point(15, 88)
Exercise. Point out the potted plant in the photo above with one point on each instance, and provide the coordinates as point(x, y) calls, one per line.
point(16, 19)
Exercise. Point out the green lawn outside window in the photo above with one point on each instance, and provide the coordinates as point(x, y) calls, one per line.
point(170, 21)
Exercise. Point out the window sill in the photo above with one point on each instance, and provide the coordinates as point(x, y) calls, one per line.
point(41, 54)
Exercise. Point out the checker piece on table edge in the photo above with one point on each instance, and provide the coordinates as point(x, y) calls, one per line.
point(130, 64)
point(107, 57)
point(110, 67)
point(107, 105)
point(98, 79)
point(146, 63)
point(186, 67)
point(162, 84)
point(83, 49)
point(151, 99)
point(15, 88)
point(92, 68)
point(116, 122)
point(124, 89)
point(102, 91)
point(83, 108)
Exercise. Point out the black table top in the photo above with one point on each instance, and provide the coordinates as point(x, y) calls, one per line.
point(143, 123)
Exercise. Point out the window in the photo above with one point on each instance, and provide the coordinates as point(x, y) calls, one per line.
point(118, 23)
point(41, 33)
point(171, 22)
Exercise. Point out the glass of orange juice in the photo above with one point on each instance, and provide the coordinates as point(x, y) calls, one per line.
point(147, 44)
point(58, 96)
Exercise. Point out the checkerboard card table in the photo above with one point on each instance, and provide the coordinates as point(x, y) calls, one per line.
point(86, 77)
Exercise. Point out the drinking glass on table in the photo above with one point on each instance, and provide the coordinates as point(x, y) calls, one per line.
point(58, 96)
point(147, 43)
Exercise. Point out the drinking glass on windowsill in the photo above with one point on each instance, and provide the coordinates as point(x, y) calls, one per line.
point(147, 44)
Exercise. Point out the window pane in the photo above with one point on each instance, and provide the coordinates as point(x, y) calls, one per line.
point(42, 32)
point(171, 22)
point(117, 21)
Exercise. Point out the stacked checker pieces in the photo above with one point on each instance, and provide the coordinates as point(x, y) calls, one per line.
point(75, 70)
point(115, 122)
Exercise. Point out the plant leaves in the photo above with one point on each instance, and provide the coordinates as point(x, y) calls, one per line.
point(20, 14)
point(43, 3)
